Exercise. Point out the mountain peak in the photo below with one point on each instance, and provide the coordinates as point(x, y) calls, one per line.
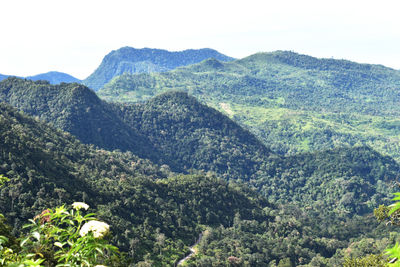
point(146, 60)
point(214, 63)
point(53, 77)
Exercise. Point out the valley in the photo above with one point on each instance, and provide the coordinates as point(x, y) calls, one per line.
point(279, 159)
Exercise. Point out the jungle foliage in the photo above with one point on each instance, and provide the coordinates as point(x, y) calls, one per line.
point(145, 60)
point(321, 200)
point(292, 102)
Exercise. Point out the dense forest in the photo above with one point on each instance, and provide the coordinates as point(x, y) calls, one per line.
point(180, 168)
point(292, 102)
point(77, 110)
point(48, 167)
point(152, 209)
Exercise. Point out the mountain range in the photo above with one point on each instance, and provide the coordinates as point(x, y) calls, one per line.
point(148, 162)
point(43, 163)
point(176, 130)
point(292, 102)
point(131, 60)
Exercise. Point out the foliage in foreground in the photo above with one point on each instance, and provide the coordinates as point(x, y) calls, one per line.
point(62, 237)
point(391, 214)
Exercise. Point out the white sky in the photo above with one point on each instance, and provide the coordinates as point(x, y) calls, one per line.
point(73, 36)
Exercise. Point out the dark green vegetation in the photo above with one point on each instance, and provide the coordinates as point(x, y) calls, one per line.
point(54, 77)
point(151, 211)
point(76, 109)
point(154, 213)
point(196, 136)
point(292, 102)
point(325, 198)
point(131, 60)
point(173, 129)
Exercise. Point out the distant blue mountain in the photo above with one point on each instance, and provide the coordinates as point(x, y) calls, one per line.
point(131, 60)
point(2, 77)
point(54, 77)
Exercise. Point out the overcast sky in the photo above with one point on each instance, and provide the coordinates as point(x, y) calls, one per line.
point(73, 36)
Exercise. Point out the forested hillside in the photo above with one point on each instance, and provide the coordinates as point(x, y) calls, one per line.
point(76, 109)
point(322, 201)
point(48, 167)
point(292, 102)
point(154, 213)
point(175, 129)
point(196, 136)
point(146, 60)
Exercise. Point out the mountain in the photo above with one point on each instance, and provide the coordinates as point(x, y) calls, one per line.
point(323, 199)
point(298, 81)
point(145, 203)
point(292, 102)
point(177, 130)
point(2, 77)
point(152, 131)
point(48, 167)
point(196, 136)
point(76, 109)
point(146, 60)
point(54, 77)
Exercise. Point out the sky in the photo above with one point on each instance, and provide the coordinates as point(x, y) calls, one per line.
point(73, 36)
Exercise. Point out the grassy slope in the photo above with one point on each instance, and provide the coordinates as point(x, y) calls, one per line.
point(292, 102)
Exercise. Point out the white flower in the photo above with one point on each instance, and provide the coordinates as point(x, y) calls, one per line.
point(100, 266)
point(99, 229)
point(80, 205)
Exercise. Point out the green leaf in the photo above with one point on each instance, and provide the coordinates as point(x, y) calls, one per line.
point(394, 252)
point(3, 239)
point(394, 207)
point(89, 215)
point(33, 223)
point(100, 251)
point(24, 241)
point(33, 263)
point(58, 244)
point(398, 196)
